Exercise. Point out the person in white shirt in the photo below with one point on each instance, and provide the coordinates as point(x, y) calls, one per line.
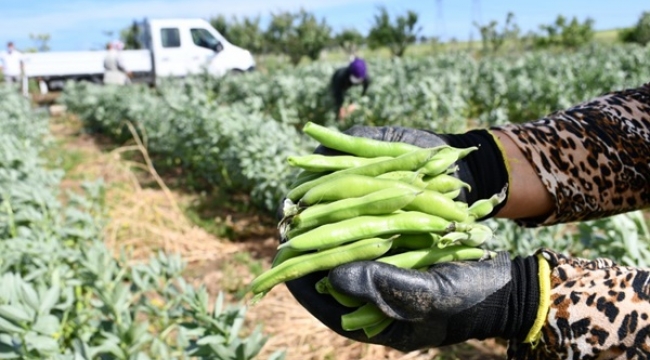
point(114, 70)
point(11, 64)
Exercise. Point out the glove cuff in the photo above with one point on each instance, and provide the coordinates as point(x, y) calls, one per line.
point(508, 313)
point(485, 170)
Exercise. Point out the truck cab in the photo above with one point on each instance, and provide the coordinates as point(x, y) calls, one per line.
point(181, 47)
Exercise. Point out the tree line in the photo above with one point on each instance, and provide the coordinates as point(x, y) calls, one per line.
point(301, 34)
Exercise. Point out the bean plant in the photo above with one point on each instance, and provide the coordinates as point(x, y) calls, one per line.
point(65, 296)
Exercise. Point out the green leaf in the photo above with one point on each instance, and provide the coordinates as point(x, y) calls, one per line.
point(50, 299)
point(42, 344)
point(211, 340)
point(14, 313)
point(46, 325)
point(8, 327)
point(30, 296)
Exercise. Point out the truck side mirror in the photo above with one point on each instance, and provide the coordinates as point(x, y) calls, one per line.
point(218, 47)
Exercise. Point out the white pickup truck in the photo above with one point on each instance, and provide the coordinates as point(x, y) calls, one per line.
point(169, 47)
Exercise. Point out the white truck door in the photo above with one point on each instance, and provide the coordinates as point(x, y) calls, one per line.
point(218, 56)
point(189, 46)
point(206, 50)
point(170, 57)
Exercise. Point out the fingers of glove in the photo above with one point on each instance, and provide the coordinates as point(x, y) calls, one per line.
point(404, 336)
point(403, 294)
point(322, 306)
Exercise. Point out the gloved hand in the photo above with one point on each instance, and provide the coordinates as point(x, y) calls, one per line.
point(484, 170)
point(448, 304)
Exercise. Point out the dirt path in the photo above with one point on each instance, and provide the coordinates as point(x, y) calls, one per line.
point(145, 216)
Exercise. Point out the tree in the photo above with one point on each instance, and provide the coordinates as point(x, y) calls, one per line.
point(40, 42)
point(349, 40)
point(572, 34)
point(278, 31)
point(313, 36)
point(221, 25)
point(396, 36)
point(493, 39)
point(247, 33)
point(130, 37)
point(297, 35)
point(640, 33)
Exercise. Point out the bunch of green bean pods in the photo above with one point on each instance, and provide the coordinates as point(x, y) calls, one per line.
point(383, 201)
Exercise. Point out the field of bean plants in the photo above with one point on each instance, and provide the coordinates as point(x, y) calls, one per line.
point(65, 296)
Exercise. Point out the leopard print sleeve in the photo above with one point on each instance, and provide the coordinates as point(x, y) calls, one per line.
point(593, 158)
point(598, 310)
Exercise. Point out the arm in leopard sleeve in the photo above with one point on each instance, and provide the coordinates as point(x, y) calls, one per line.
point(594, 158)
point(598, 310)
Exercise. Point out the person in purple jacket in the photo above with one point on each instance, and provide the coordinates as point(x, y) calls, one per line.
point(356, 73)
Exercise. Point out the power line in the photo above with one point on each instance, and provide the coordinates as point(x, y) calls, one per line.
point(440, 22)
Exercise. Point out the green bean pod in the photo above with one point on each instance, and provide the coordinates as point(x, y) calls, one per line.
point(410, 177)
point(408, 161)
point(323, 286)
point(426, 257)
point(284, 254)
point(478, 235)
point(379, 202)
point(352, 186)
point(355, 145)
point(365, 316)
point(452, 238)
point(320, 163)
point(348, 186)
point(305, 176)
point(435, 203)
point(445, 158)
point(484, 207)
point(444, 183)
point(302, 265)
point(374, 329)
point(452, 194)
point(362, 227)
point(415, 241)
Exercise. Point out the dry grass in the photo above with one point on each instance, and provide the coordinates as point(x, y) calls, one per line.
point(141, 220)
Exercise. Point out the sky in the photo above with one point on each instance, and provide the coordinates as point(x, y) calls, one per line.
point(87, 24)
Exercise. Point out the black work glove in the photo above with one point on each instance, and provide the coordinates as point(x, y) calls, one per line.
point(484, 169)
point(448, 304)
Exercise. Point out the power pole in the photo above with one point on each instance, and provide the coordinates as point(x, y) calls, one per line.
point(476, 17)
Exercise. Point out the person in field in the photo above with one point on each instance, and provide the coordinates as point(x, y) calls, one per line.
point(115, 72)
point(355, 74)
point(12, 64)
point(586, 162)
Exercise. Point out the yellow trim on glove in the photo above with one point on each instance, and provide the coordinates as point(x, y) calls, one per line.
point(504, 156)
point(544, 301)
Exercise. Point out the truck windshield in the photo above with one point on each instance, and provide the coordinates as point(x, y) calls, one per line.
point(204, 38)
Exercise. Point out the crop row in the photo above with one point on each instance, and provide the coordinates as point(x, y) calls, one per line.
point(65, 296)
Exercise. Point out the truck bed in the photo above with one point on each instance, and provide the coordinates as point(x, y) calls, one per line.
point(64, 64)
